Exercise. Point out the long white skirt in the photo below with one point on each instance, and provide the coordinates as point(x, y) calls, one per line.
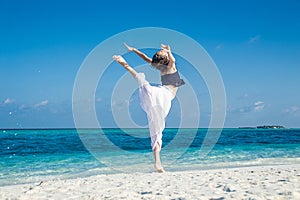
point(156, 102)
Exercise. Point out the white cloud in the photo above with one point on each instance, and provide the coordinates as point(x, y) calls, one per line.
point(118, 104)
point(258, 103)
point(259, 106)
point(219, 46)
point(42, 103)
point(99, 99)
point(254, 39)
point(292, 110)
point(9, 101)
point(256, 107)
point(22, 107)
point(246, 96)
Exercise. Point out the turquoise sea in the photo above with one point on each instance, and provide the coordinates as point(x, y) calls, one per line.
point(36, 155)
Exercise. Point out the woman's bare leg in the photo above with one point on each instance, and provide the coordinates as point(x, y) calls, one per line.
point(157, 164)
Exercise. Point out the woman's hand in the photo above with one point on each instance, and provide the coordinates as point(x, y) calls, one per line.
point(129, 48)
point(166, 47)
point(120, 60)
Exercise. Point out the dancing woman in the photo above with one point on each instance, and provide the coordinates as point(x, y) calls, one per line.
point(156, 100)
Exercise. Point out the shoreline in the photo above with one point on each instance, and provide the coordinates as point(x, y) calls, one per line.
point(258, 182)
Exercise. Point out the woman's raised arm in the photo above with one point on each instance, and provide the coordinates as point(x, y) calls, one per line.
point(123, 62)
point(167, 48)
point(139, 53)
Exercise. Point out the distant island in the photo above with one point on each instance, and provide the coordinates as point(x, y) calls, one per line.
point(263, 127)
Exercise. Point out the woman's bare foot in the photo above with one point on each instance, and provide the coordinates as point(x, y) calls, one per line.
point(159, 168)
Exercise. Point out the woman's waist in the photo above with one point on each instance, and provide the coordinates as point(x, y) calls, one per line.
point(172, 89)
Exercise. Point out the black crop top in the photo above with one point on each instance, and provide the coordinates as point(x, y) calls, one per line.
point(172, 79)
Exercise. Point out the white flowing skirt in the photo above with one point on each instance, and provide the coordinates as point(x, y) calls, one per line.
point(156, 102)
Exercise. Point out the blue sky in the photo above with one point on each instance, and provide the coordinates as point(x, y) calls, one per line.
point(255, 44)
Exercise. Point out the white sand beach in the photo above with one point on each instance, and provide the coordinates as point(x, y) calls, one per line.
point(259, 182)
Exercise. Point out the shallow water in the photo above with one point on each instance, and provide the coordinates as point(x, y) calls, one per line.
point(34, 155)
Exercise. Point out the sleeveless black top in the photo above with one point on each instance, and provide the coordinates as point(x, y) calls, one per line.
point(172, 79)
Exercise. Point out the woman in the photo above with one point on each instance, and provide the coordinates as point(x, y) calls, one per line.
point(156, 100)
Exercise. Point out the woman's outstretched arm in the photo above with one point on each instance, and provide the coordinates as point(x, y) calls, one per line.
point(123, 62)
point(139, 53)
